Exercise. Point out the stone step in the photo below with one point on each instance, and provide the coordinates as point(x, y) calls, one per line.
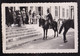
point(11, 39)
point(10, 28)
point(19, 32)
point(16, 36)
point(21, 42)
point(14, 27)
point(17, 29)
point(25, 26)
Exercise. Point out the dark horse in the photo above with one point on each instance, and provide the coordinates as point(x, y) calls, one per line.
point(46, 25)
point(67, 24)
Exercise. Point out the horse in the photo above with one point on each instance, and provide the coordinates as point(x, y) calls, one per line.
point(67, 24)
point(46, 25)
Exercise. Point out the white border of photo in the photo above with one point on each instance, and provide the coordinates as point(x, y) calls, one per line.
point(75, 50)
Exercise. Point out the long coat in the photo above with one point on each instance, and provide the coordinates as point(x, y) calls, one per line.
point(9, 17)
point(49, 16)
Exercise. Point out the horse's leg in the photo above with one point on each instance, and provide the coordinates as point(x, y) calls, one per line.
point(64, 34)
point(44, 33)
point(57, 27)
point(54, 34)
point(39, 22)
point(57, 33)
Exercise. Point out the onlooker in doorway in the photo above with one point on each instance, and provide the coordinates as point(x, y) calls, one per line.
point(30, 15)
point(19, 18)
point(9, 16)
point(27, 17)
point(23, 14)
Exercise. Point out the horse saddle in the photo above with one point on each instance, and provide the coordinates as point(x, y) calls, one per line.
point(50, 24)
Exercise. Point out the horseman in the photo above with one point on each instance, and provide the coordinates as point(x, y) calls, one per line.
point(49, 17)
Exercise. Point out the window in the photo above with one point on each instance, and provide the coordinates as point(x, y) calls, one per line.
point(56, 11)
point(67, 13)
point(63, 12)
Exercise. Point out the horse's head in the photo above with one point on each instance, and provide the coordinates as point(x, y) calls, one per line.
point(41, 21)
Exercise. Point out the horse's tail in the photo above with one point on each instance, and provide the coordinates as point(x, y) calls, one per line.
point(61, 28)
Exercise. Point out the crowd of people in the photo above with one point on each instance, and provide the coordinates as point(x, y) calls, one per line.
point(20, 17)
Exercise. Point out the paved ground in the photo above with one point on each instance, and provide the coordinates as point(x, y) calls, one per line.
point(51, 42)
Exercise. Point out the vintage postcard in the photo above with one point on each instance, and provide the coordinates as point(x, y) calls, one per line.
point(40, 27)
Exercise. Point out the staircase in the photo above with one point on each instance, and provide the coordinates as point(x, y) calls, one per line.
point(16, 36)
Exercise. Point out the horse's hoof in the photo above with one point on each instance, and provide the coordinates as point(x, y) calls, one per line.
point(46, 38)
point(65, 41)
point(43, 38)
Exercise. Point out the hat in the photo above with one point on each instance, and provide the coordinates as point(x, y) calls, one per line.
point(19, 13)
point(23, 9)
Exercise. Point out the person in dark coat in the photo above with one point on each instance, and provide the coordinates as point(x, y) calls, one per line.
point(23, 14)
point(14, 17)
point(19, 18)
point(9, 16)
point(27, 18)
point(49, 17)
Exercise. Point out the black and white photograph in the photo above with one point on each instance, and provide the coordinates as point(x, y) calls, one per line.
point(40, 27)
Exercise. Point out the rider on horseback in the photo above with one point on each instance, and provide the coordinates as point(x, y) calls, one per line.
point(49, 17)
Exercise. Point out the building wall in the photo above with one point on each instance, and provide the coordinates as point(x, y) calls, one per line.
point(53, 12)
point(44, 10)
point(17, 8)
point(67, 11)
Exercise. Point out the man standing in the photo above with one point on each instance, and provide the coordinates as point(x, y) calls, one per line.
point(27, 17)
point(9, 16)
point(23, 16)
point(19, 18)
point(30, 15)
